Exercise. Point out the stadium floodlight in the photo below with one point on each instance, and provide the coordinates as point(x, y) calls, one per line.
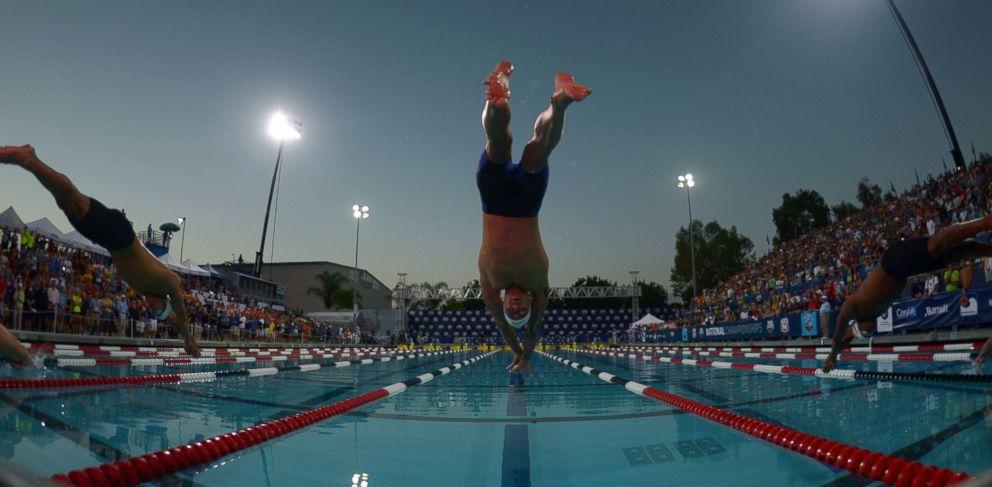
point(281, 128)
point(686, 181)
point(182, 243)
point(360, 212)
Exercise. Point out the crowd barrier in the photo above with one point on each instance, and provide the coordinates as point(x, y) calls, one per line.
point(82, 324)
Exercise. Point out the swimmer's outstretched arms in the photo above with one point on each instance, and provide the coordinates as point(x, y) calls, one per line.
point(512, 260)
point(110, 229)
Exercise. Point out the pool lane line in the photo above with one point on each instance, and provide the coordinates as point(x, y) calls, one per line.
point(193, 376)
point(205, 352)
point(135, 348)
point(173, 362)
point(889, 357)
point(808, 371)
point(152, 466)
point(867, 463)
point(516, 440)
point(926, 347)
point(922, 446)
point(302, 406)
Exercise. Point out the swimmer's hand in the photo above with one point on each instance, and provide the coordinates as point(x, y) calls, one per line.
point(19, 358)
point(523, 367)
point(191, 347)
point(516, 361)
point(830, 363)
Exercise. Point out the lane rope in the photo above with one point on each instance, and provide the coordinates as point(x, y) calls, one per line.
point(926, 347)
point(179, 352)
point(878, 466)
point(151, 466)
point(882, 357)
point(195, 376)
point(806, 371)
point(175, 362)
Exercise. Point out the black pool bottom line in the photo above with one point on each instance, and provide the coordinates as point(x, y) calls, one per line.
point(516, 440)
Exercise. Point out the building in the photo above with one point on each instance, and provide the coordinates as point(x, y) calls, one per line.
point(295, 278)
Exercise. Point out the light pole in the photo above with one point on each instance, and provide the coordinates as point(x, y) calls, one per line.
point(182, 243)
point(360, 212)
point(282, 129)
point(686, 181)
point(934, 94)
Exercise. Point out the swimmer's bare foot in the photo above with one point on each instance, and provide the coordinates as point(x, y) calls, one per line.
point(19, 155)
point(498, 83)
point(568, 91)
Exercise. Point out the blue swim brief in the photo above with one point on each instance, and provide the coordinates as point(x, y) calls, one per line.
point(508, 190)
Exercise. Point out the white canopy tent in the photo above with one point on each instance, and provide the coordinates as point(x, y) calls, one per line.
point(171, 263)
point(10, 219)
point(46, 228)
point(77, 240)
point(647, 321)
point(194, 269)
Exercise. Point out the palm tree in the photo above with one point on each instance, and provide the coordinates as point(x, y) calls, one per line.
point(332, 291)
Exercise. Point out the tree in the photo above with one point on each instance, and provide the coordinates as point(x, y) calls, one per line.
point(869, 195)
point(799, 214)
point(592, 303)
point(720, 253)
point(331, 291)
point(843, 210)
point(653, 295)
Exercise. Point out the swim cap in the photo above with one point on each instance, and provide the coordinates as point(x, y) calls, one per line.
point(164, 314)
point(518, 324)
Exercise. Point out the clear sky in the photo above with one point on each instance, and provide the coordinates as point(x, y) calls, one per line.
point(160, 108)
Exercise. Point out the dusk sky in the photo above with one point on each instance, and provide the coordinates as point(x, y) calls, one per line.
point(160, 107)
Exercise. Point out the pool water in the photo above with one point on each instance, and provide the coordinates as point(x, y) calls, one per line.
point(479, 425)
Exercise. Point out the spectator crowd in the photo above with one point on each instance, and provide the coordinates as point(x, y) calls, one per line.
point(50, 287)
point(816, 271)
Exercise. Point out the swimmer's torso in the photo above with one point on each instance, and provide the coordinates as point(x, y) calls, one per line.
point(512, 253)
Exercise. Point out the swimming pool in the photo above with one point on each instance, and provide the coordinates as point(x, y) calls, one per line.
point(478, 425)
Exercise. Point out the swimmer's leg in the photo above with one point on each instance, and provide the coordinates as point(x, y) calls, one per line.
point(73, 203)
point(496, 114)
point(550, 124)
point(950, 237)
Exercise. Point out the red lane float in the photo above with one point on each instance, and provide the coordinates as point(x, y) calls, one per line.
point(867, 463)
point(155, 465)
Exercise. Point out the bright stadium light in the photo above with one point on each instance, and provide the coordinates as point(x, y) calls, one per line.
point(283, 128)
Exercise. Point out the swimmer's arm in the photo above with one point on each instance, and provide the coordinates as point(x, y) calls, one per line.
point(495, 306)
point(12, 350)
point(840, 330)
point(539, 304)
point(985, 351)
